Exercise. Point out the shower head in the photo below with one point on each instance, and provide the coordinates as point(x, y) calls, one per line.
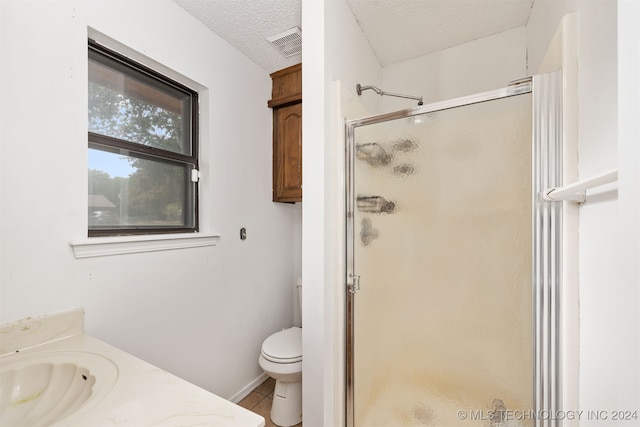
point(360, 88)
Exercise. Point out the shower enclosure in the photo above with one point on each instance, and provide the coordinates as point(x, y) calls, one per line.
point(452, 261)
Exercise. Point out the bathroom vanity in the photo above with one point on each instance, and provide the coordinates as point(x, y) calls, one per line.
point(73, 379)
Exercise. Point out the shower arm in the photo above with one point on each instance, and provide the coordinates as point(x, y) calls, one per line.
point(380, 92)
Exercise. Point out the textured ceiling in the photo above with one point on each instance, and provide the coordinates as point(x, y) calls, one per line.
point(246, 25)
point(397, 30)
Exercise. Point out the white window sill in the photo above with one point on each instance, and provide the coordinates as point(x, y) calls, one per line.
point(106, 246)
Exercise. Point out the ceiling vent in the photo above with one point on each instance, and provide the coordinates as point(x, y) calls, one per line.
point(288, 43)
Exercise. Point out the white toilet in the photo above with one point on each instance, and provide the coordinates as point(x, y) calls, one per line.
point(281, 359)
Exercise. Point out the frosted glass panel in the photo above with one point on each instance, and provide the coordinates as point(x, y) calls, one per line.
point(443, 332)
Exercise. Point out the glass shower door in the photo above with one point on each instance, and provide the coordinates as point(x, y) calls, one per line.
point(441, 320)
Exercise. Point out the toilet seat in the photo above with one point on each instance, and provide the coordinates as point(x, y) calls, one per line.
point(284, 346)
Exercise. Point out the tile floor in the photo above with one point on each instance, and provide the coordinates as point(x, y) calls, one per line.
point(259, 401)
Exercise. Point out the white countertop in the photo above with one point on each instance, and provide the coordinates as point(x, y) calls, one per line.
point(142, 395)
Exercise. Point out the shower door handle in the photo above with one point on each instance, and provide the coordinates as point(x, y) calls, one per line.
point(353, 283)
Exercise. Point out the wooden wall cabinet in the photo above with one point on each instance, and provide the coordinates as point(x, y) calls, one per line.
point(286, 102)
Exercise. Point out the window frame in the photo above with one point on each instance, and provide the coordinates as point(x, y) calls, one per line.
point(119, 146)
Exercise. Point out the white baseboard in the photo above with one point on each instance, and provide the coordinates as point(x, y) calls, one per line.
point(249, 388)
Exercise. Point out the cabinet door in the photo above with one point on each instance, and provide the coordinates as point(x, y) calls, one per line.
point(287, 153)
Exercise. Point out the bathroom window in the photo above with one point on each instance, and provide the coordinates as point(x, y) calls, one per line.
point(143, 149)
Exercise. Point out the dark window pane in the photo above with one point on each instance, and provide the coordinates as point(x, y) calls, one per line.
point(128, 192)
point(130, 105)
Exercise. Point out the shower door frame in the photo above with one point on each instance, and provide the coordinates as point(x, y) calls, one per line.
point(546, 91)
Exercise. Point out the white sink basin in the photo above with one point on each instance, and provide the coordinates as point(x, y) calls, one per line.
point(41, 388)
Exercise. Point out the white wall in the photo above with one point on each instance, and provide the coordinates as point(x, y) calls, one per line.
point(334, 50)
point(478, 66)
point(629, 165)
point(201, 313)
point(608, 275)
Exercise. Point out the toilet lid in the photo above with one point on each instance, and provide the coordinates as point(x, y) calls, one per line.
point(284, 346)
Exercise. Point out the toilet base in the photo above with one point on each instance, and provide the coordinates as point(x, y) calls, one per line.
point(286, 409)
